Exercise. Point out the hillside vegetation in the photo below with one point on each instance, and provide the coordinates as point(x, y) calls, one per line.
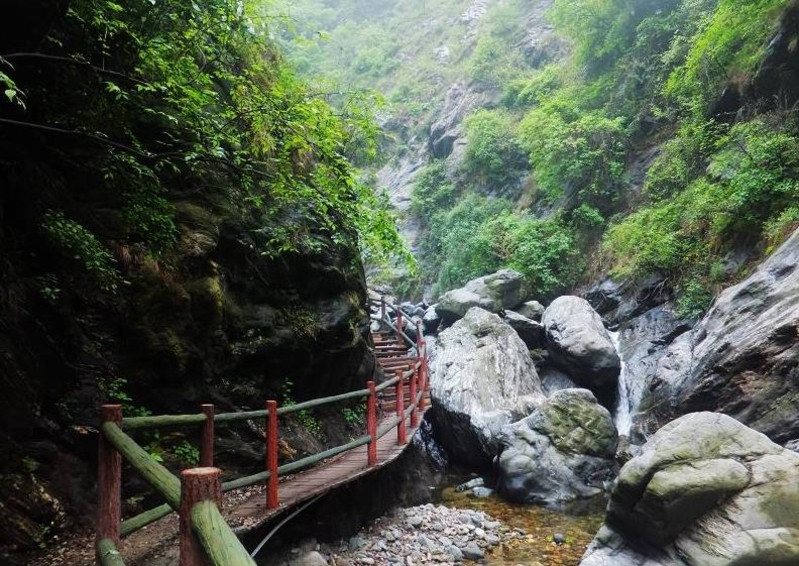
point(663, 143)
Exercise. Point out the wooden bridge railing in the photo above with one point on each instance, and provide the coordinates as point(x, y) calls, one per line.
point(205, 536)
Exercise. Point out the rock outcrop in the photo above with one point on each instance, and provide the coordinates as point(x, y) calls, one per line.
point(482, 379)
point(494, 293)
point(563, 451)
point(705, 490)
point(579, 344)
point(530, 331)
point(742, 358)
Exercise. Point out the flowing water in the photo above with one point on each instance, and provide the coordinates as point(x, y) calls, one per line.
point(537, 547)
point(622, 417)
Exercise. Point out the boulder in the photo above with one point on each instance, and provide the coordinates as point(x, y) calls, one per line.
point(579, 344)
point(494, 293)
point(704, 490)
point(563, 451)
point(741, 359)
point(482, 379)
point(431, 319)
point(553, 380)
point(532, 310)
point(530, 331)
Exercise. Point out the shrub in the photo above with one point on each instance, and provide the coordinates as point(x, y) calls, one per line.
point(575, 151)
point(493, 153)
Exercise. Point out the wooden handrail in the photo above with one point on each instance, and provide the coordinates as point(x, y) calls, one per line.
point(154, 473)
point(219, 543)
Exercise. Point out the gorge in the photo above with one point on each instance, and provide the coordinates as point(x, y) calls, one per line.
point(588, 211)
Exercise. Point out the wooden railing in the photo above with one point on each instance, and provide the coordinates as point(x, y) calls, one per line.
point(205, 536)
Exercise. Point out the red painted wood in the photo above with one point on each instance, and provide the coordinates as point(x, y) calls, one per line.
point(371, 423)
point(196, 485)
point(412, 387)
point(271, 455)
point(109, 480)
point(207, 437)
point(401, 431)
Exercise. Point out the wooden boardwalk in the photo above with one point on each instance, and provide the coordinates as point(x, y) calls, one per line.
point(156, 545)
point(325, 478)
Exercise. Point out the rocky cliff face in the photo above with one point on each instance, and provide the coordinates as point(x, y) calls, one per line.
point(742, 358)
point(214, 321)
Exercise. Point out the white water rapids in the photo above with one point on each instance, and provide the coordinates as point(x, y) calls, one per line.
point(622, 416)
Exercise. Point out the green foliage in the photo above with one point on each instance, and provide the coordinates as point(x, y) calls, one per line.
point(751, 189)
point(460, 248)
point(354, 416)
point(432, 192)
point(729, 48)
point(493, 154)
point(544, 251)
point(694, 300)
point(184, 98)
point(83, 246)
point(574, 151)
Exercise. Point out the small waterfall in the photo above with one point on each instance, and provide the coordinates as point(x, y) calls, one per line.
point(622, 418)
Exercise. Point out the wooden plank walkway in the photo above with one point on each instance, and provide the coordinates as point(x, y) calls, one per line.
point(323, 479)
point(156, 545)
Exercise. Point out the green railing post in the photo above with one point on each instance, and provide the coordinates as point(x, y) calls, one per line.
point(196, 485)
point(109, 480)
point(207, 437)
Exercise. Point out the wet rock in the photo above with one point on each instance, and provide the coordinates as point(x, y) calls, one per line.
point(579, 344)
point(563, 451)
point(530, 331)
point(532, 310)
point(431, 320)
point(465, 486)
point(473, 552)
point(482, 379)
point(704, 490)
point(742, 358)
point(312, 558)
point(494, 293)
point(482, 492)
point(552, 379)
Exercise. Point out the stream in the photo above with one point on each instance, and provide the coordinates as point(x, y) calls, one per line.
point(539, 526)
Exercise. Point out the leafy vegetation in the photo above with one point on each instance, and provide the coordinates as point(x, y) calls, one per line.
point(194, 96)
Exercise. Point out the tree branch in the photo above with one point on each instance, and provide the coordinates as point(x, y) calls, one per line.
point(73, 61)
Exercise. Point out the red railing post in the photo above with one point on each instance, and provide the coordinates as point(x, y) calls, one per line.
point(196, 485)
point(271, 455)
point(371, 423)
point(412, 388)
point(401, 433)
point(207, 437)
point(422, 373)
point(109, 480)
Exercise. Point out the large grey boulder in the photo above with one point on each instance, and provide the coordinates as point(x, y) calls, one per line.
point(741, 359)
point(494, 293)
point(563, 451)
point(579, 344)
point(530, 331)
point(532, 310)
point(705, 490)
point(482, 379)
